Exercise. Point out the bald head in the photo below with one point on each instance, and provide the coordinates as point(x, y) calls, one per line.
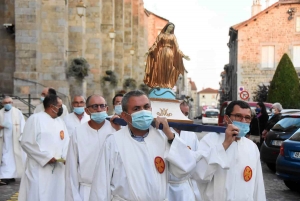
point(95, 103)
point(91, 99)
point(7, 100)
point(184, 107)
point(47, 91)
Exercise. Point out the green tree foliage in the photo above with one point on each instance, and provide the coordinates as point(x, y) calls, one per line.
point(284, 86)
point(261, 94)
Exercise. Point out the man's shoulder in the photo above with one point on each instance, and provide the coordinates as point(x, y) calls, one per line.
point(122, 130)
point(81, 128)
point(36, 116)
point(41, 105)
point(188, 133)
point(213, 137)
point(249, 143)
point(107, 126)
point(69, 115)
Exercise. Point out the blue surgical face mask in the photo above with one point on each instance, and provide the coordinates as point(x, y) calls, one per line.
point(99, 117)
point(243, 127)
point(257, 110)
point(142, 119)
point(42, 98)
point(118, 109)
point(7, 106)
point(78, 110)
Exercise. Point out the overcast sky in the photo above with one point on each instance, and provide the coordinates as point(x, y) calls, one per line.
point(201, 28)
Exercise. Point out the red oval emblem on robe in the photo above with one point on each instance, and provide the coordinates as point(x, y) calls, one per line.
point(62, 135)
point(159, 164)
point(247, 173)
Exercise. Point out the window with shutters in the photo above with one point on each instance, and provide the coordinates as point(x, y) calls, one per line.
point(296, 56)
point(268, 56)
point(298, 24)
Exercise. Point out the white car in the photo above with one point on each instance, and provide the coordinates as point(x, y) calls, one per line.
point(210, 116)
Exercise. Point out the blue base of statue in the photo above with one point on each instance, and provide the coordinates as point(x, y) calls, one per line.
point(162, 93)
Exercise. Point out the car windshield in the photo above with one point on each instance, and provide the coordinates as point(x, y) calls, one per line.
point(211, 114)
point(296, 136)
point(287, 123)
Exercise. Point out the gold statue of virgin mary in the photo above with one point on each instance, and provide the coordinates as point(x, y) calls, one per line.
point(164, 60)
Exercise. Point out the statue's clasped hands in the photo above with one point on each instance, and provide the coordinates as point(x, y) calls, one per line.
point(186, 57)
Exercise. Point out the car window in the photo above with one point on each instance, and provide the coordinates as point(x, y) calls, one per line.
point(295, 137)
point(287, 123)
point(222, 112)
point(211, 114)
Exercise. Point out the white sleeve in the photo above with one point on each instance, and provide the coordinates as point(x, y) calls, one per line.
point(67, 136)
point(72, 180)
point(213, 157)
point(181, 159)
point(30, 145)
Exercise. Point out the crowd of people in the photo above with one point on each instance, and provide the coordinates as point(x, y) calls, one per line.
point(84, 155)
point(262, 123)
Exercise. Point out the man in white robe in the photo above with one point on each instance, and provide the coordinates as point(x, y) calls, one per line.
point(78, 116)
point(184, 189)
point(40, 107)
point(230, 167)
point(85, 146)
point(117, 100)
point(11, 128)
point(133, 165)
point(45, 140)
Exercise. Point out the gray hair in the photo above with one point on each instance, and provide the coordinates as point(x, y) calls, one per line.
point(253, 113)
point(79, 96)
point(128, 95)
point(278, 106)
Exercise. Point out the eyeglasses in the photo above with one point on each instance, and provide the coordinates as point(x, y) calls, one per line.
point(95, 106)
point(240, 117)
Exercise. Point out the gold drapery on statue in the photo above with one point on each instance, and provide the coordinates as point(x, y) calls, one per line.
point(164, 61)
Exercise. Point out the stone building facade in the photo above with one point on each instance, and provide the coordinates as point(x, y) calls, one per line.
point(47, 34)
point(192, 92)
point(257, 45)
point(208, 97)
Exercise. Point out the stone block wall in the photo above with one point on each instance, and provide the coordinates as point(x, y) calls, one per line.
point(270, 28)
point(40, 46)
point(49, 34)
point(7, 47)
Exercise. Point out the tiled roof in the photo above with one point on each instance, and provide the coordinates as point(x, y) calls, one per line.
point(193, 86)
point(149, 12)
point(265, 11)
point(208, 91)
point(245, 23)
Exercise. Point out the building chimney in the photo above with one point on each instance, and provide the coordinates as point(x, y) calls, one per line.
point(256, 7)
